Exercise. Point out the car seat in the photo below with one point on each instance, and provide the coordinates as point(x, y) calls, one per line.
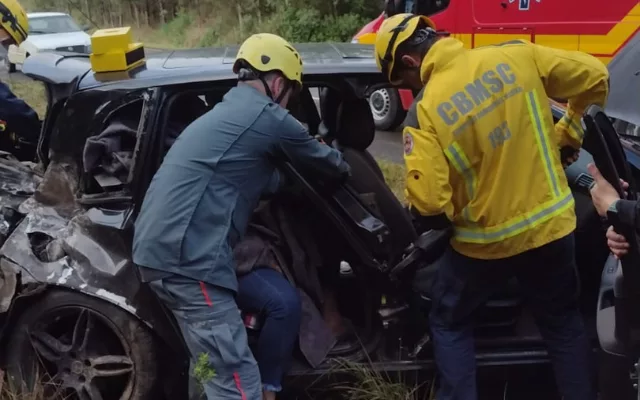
point(350, 124)
point(330, 100)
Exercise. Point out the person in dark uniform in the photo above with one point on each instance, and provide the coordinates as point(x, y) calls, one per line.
point(199, 202)
point(19, 123)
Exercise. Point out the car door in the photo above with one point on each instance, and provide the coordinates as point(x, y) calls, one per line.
point(618, 322)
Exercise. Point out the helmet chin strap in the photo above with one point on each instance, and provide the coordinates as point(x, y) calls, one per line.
point(246, 74)
point(269, 93)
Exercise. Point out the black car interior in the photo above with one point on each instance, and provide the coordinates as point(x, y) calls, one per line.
point(107, 156)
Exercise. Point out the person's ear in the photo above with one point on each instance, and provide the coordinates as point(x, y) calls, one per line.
point(409, 61)
point(277, 84)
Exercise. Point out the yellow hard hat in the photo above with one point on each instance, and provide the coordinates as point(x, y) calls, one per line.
point(14, 20)
point(392, 33)
point(266, 52)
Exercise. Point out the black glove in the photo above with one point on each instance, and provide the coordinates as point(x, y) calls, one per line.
point(423, 224)
point(569, 155)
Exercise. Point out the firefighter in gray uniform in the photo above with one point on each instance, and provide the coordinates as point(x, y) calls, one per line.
point(199, 202)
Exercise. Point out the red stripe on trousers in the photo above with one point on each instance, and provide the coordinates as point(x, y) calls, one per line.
point(203, 287)
point(236, 378)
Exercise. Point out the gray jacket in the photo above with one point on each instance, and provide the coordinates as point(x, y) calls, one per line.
point(199, 202)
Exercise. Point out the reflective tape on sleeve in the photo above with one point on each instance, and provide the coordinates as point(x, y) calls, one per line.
point(543, 142)
point(574, 129)
point(461, 163)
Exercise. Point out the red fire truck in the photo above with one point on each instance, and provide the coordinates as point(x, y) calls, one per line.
point(601, 29)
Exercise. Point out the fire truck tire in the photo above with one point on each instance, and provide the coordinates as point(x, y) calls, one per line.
point(386, 108)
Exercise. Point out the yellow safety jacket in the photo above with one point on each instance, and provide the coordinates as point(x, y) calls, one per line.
point(481, 146)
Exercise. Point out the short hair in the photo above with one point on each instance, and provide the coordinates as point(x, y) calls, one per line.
point(271, 75)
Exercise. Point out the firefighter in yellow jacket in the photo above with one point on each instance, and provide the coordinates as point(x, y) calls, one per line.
point(481, 148)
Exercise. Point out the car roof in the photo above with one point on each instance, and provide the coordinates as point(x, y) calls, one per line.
point(45, 14)
point(194, 65)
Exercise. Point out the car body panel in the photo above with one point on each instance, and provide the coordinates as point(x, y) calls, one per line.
point(624, 71)
point(197, 65)
point(63, 243)
point(56, 68)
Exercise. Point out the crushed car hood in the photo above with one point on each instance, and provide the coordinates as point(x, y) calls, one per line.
point(624, 90)
point(48, 239)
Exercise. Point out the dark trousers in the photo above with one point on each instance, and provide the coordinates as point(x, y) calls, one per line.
point(267, 291)
point(547, 278)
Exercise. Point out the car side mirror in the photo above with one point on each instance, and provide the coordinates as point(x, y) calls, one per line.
point(86, 28)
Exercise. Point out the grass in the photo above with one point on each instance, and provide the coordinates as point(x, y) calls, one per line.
point(153, 38)
point(32, 92)
point(367, 384)
point(8, 394)
point(9, 390)
point(395, 176)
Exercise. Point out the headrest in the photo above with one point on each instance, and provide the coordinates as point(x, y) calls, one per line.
point(355, 125)
point(311, 112)
point(329, 102)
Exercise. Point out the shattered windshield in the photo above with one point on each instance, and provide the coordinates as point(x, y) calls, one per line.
point(53, 24)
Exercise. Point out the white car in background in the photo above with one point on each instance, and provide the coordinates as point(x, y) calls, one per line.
point(49, 31)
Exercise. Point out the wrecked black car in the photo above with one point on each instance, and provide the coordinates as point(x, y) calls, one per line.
point(73, 308)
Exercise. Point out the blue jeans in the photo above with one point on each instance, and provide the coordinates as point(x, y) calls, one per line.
point(211, 325)
point(547, 278)
point(266, 291)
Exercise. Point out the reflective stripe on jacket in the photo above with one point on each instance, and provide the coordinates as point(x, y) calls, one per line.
point(481, 145)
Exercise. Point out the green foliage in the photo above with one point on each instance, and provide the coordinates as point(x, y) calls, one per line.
point(202, 370)
point(176, 29)
point(308, 25)
point(209, 38)
point(202, 23)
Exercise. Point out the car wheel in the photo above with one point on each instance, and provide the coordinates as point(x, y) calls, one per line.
point(73, 346)
point(386, 108)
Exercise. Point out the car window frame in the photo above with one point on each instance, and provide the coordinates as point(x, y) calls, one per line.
point(123, 195)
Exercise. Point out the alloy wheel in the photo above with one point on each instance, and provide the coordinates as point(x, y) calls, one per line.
point(83, 355)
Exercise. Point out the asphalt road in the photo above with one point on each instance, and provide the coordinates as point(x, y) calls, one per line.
point(387, 145)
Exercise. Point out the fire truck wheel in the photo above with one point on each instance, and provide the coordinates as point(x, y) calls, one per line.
point(386, 108)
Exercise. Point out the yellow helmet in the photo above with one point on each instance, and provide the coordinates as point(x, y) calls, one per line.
point(266, 52)
point(14, 20)
point(392, 33)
